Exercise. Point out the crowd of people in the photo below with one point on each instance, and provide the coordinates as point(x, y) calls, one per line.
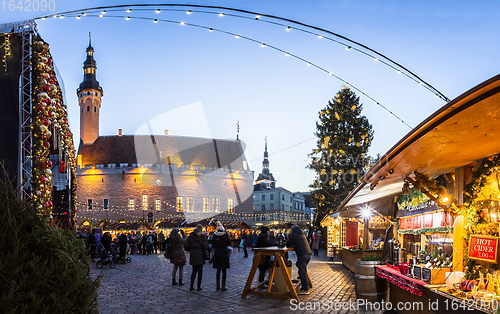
point(177, 243)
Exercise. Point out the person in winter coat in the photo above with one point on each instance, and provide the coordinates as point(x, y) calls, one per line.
point(316, 242)
point(263, 241)
point(220, 242)
point(106, 241)
point(196, 243)
point(301, 247)
point(161, 240)
point(144, 242)
point(122, 244)
point(176, 254)
point(246, 242)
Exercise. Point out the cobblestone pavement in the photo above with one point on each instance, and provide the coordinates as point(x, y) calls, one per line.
point(145, 286)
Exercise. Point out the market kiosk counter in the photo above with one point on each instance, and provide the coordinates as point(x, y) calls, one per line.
point(414, 296)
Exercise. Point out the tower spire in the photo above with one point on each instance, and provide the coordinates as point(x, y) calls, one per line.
point(238, 131)
point(265, 162)
point(89, 97)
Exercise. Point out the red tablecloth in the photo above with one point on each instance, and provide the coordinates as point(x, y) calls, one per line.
point(414, 286)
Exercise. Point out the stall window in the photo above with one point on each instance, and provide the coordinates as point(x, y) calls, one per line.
point(89, 204)
point(131, 204)
point(158, 205)
point(105, 204)
point(230, 205)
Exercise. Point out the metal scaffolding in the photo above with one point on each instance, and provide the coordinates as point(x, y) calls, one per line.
point(26, 30)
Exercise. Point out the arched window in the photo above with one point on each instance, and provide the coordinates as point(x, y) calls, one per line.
point(88, 108)
point(82, 109)
point(95, 109)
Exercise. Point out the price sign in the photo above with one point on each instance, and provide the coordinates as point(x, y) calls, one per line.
point(483, 248)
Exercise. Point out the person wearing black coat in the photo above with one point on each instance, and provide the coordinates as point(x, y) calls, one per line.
point(246, 242)
point(196, 243)
point(263, 241)
point(106, 241)
point(301, 247)
point(122, 244)
point(220, 242)
point(176, 254)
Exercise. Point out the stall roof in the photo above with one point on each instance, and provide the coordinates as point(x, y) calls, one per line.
point(461, 132)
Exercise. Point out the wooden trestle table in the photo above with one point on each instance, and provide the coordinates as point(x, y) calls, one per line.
point(279, 254)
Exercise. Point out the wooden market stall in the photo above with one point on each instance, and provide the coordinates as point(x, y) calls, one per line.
point(446, 225)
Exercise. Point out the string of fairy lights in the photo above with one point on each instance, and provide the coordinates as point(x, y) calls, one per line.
point(124, 213)
point(350, 45)
point(251, 15)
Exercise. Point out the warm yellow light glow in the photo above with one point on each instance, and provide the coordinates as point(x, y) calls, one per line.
point(54, 16)
point(78, 17)
point(320, 36)
point(84, 13)
point(221, 14)
point(211, 30)
point(182, 23)
point(257, 17)
point(101, 15)
point(445, 199)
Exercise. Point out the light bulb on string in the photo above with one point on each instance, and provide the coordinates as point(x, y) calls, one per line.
point(320, 36)
point(288, 28)
point(129, 10)
point(188, 12)
point(156, 21)
point(158, 10)
point(127, 18)
point(257, 17)
point(182, 23)
point(78, 17)
point(221, 14)
point(211, 30)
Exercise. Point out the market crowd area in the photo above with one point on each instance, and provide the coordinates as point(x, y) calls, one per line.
point(145, 286)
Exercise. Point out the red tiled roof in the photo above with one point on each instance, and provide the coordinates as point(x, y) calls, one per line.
point(160, 149)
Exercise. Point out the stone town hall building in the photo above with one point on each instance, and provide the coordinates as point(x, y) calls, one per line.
point(127, 177)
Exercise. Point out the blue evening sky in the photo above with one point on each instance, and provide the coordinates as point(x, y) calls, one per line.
point(204, 82)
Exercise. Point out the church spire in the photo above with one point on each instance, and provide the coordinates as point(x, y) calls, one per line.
point(266, 179)
point(265, 162)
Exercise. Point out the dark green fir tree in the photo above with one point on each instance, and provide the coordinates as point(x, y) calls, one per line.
point(340, 159)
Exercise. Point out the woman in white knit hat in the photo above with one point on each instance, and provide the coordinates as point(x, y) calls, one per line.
point(220, 243)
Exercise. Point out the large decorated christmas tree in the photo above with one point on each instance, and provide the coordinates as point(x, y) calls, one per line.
point(340, 159)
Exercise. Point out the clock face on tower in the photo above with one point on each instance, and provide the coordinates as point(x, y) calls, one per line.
point(158, 181)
